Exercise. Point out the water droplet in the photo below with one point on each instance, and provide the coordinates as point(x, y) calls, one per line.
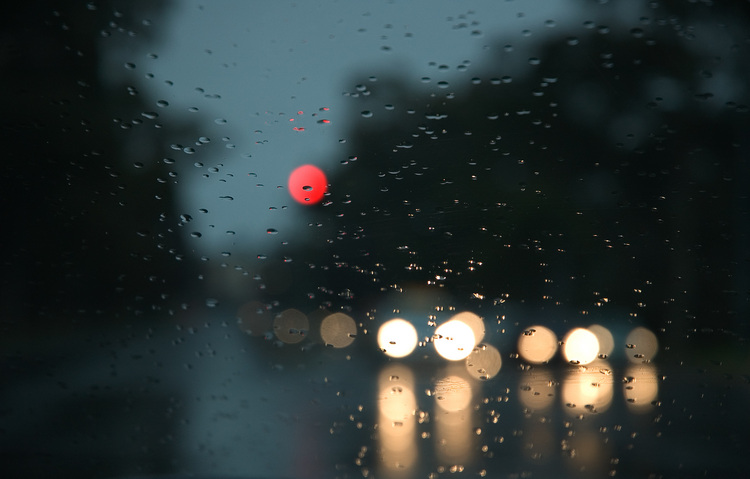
point(150, 115)
point(130, 66)
point(162, 103)
point(195, 234)
point(211, 302)
point(367, 114)
point(272, 231)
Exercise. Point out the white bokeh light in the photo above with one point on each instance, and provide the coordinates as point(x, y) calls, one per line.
point(581, 346)
point(397, 338)
point(454, 340)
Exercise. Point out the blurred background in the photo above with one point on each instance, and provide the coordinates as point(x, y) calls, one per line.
point(530, 258)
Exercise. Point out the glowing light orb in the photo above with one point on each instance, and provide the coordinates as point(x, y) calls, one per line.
point(641, 345)
point(291, 326)
point(484, 362)
point(397, 338)
point(605, 338)
point(307, 184)
point(474, 322)
point(537, 344)
point(338, 330)
point(581, 346)
point(454, 340)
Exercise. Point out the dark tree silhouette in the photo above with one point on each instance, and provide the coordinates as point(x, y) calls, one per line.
point(87, 230)
point(87, 246)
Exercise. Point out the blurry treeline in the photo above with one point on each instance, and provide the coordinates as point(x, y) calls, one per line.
point(602, 171)
point(88, 199)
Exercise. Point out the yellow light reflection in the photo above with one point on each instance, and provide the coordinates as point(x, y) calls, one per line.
point(455, 431)
point(641, 388)
point(453, 393)
point(484, 362)
point(397, 338)
point(588, 390)
point(454, 340)
point(537, 344)
point(291, 326)
point(338, 330)
point(605, 338)
point(538, 389)
point(580, 346)
point(397, 423)
point(641, 345)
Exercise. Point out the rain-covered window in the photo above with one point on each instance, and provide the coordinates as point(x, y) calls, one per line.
point(405, 239)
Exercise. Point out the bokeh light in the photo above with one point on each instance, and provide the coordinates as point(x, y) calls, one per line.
point(307, 184)
point(291, 326)
point(641, 345)
point(484, 362)
point(580, 346)
point(397, 338)
point(605, 338)
point(474, 322)
point(537, 344)
point(338, 330)
point(454, 340)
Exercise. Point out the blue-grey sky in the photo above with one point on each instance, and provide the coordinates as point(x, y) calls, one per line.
point(247, 68)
